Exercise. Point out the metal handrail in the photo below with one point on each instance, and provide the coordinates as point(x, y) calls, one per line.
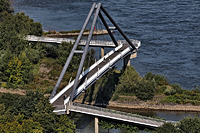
point(117, 112)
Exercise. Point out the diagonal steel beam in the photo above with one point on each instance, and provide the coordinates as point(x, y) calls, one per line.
point(72, 52)
point(107, 28)
point(118, 28)
point(84, 54)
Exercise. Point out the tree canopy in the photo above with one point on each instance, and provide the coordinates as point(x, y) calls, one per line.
point(31, 113)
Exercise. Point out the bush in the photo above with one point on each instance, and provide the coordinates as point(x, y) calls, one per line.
point(169, 92)
point(128, 81)
point(159, 79)
point(167, 128)
point(177, 88)
point(145, 90)
point(49, 90)
point(115, 97)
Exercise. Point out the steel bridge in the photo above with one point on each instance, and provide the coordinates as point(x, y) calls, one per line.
point(63, 100)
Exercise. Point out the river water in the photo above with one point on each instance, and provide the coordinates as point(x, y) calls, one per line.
point(169, 31)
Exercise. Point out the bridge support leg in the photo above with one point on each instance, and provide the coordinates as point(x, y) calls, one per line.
point(126, 61)
point(128, 58)
point(102, 52)
point(96, 120)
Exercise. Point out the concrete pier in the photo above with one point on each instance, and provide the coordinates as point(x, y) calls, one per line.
point(102, 52)
point(96, 120)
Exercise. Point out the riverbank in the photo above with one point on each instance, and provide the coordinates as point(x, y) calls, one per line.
point(150, 105)
point(129, 106)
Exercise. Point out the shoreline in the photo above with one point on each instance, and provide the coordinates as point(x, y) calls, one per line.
point(127, 107)
point(146, 107)
point(164, 107)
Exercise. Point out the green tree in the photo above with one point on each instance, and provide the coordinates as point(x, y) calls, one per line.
point(189, 125)
point(145, 90)
point(159, 79)
point(65, 125)
point(29, 126)
point(8, 99)
point(128, 81)
point(5, 5)
point(19, 70)
point(14, 28)
point(167, 128)
point(26, 104)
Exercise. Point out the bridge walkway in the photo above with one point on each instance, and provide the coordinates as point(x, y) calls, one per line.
point(93, 43)
point(113, 114)
point(60, 100)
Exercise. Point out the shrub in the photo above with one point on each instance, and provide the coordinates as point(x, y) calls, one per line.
point(128, 81)
point(115, 97)
point(159, 79)
point(49, 90)
point(177, 88)
point(145, 90)
point(189, 125)
point(167, 128)
point(167, 92)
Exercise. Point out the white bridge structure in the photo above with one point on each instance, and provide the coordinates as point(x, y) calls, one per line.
point(93, 43)
point(123, 49)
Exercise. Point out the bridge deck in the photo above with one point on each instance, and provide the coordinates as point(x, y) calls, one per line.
point(93, 43)
point(60, 100)
point(112, 114)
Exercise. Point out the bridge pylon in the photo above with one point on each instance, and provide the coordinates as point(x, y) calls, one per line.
point(97, 8)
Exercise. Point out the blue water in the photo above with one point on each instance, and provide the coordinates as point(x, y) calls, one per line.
point(169, 31)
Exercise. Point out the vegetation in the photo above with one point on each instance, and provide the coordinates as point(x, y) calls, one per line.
point(128, 81)
point(145, 90)
point(106, 124)
point(21, 60)
point(186, 125)
point(186, 96)
point(31, 113)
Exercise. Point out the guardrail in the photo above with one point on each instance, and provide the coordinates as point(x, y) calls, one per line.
point(97, 43)
point(98, 74)
point(117, 112)
point(83, 74)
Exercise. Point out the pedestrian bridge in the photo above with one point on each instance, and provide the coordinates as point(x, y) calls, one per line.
point(93, 43)
point(63, 100)
point(111, 114)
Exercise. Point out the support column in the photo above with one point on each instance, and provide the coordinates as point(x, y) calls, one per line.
point(102, 52)
point(96, 120)
point(126, 61)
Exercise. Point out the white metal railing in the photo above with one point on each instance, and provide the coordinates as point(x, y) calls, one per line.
point(83, 74)
point(60, 40)
point(99, 72)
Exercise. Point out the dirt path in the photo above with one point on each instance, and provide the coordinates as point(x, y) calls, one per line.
point(12, 91)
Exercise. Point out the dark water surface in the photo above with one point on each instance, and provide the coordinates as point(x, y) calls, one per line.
point(169, 30)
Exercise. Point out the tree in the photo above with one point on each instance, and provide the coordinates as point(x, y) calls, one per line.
point(186, 125)
point(189, 125)
point(26, 104)
point(167, 128)
point(145, 90)
point(128, 81)
point(19, 70)
point(5, 5)
point(64, 125)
